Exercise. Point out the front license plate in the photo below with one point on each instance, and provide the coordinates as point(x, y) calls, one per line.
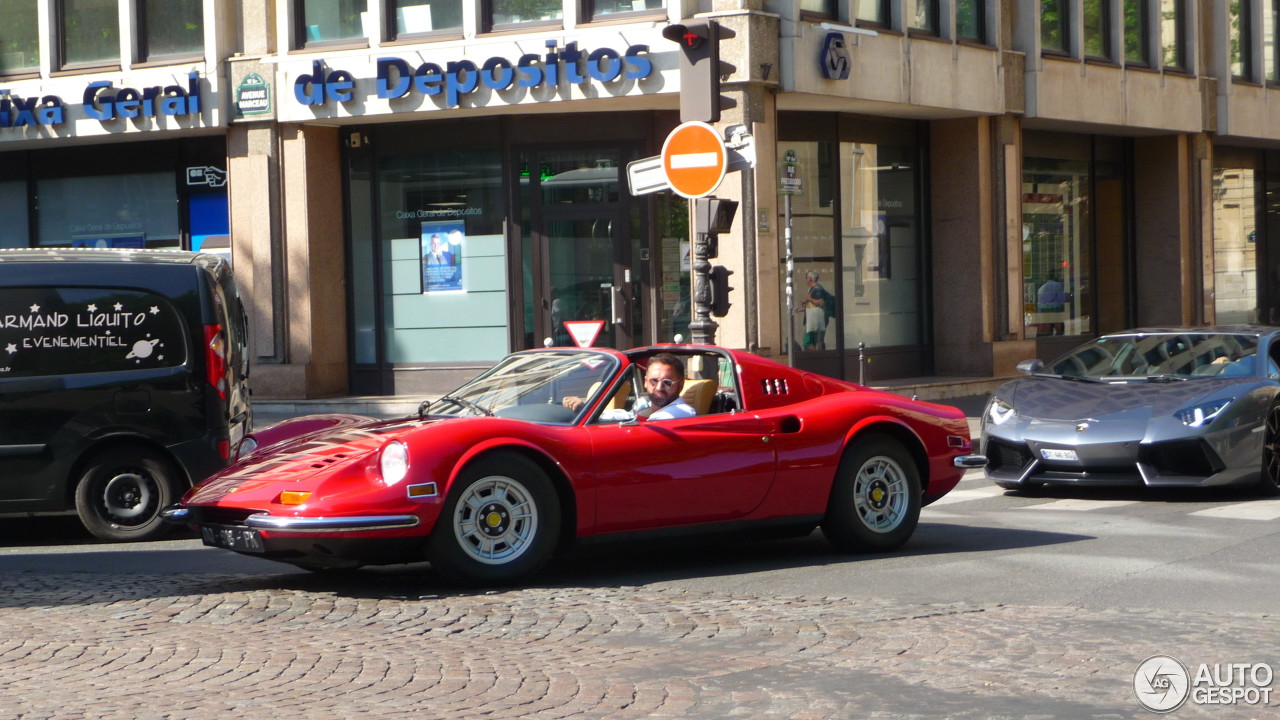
point(232, 538)
point(1057, 454)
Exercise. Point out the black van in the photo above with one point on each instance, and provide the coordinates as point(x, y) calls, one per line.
point(123, 380)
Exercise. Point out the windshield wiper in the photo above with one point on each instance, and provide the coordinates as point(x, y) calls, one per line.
point(1166, 378)
point(1077, 378)
point(463, 402)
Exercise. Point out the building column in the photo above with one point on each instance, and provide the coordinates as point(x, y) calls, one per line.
point(1164, 286)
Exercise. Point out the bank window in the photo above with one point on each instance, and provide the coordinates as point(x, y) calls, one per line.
point(20, 39)
point(13, 208)
point(971, 20)
point(825, 8)
point(925, 16)
point(171, 28)
point(597, 9)
point(1239, 39)
point(1054, 16)
point(415, 17)
point(89, 32)
point(138, 210)
point(1097, 29)
point(1135, 32)
point(1270, 18)
point(873, 12)
point(1173, 54)
point(325, 21)
point(512, 12)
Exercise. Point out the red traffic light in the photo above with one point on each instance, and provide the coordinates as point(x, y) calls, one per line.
point(689, 36)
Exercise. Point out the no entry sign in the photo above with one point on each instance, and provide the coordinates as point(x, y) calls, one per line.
point(694, 159)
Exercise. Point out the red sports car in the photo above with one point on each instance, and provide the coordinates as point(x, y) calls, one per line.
point(552, 446)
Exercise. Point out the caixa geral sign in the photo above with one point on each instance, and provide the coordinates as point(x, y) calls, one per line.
point(103, 101)
point(398, 78)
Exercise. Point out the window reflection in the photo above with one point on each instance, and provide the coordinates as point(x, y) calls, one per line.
point(90, 31)
point(1235, 232)
point(325, 20)
point(20, 42)
point(506, 12)
point(1056, 246)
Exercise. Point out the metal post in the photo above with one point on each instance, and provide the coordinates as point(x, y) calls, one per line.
point(790, 266)
point(862, 355)
point(703, 328)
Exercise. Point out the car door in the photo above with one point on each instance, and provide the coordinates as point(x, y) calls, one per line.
point(660, 473)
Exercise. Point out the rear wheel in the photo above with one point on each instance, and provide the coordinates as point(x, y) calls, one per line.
point(499, 524)
point(121, 493)
point(875, 500)
point(1269, 478)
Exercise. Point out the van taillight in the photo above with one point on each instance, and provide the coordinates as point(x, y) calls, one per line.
point(215, 358)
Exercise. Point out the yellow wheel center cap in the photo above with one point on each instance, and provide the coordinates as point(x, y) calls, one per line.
point(493, 519)
point(877, 495)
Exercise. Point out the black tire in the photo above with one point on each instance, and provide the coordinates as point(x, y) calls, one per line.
point(875, 498)
point(121, 493)
point(500, 523)
point(1269, 478)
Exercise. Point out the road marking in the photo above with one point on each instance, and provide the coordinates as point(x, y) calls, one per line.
point(1079, 504)
point(958, 496)
point(1254, 510)
point(695, 160)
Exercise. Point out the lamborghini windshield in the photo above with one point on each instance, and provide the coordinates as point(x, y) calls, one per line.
point(1161, 356)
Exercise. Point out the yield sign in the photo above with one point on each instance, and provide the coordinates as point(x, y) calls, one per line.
point(584, 332)
point(694, 159)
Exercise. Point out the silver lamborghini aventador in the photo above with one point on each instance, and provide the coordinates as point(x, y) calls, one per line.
point(1157, 407)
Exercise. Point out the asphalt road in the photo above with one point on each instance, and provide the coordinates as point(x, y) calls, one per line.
point(1001, 606)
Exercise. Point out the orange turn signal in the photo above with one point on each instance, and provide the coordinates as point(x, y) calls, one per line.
point(293, 497)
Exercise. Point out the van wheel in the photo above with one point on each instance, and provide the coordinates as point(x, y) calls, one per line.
point(122, 491)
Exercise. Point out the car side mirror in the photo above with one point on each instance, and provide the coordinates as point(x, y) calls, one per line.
point(1030, 367)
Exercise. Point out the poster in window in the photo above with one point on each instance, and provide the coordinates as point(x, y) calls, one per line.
point(442, 256)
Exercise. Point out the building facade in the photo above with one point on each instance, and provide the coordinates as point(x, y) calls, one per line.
point(410, 189)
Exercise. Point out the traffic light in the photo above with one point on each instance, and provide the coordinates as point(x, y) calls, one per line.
point(712, 216)
point(700, 68)
point(719, 277)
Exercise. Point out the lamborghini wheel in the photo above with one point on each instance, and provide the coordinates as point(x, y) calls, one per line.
point(1269, 479)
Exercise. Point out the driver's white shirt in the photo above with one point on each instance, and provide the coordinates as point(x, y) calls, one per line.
point(677, 408)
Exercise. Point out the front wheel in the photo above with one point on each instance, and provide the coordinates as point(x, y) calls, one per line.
point(875, 499)
point(1269, 478)
point(121, 493)
point(499, 524)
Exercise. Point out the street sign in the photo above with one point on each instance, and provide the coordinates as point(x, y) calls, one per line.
point(584, 332)
point(645, 176)
point(694, 159)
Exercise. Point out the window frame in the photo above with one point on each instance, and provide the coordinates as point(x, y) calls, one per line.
point(392, 34)
point(30, 69)
point(831, 12)
point(979, 20)
point(1143, 26)
point(1107, 32)
point(142, 39)
point(933, 18)
point(1271, 21)
point(884, 17)
point(1245, 34)
point(490, 26)
point(299, 30)
point(587, 11)
point(1179, 41)
point(60, 54)
point(1063, 27)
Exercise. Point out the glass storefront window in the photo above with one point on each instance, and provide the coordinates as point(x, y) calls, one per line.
point(1235, 235)
point(172, 27)
point(423, 16)
point(20, 39)
point(131, 211)
point(13, 208)
point(327, 20)
point(600, 8)
point(971, 19)
point(90, 31)
point(1057, 246)
point(508, 12)
point(1172, 32)
point(880, 238)
point(1054, 20)
point(812, 245)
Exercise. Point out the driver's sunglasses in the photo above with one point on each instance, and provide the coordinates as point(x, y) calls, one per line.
point(664, 383)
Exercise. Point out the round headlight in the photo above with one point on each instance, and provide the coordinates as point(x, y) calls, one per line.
point(394, 462)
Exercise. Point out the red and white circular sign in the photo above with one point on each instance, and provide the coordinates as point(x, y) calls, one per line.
point(694, 159)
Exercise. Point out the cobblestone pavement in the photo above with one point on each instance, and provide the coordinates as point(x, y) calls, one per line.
point(397, 645)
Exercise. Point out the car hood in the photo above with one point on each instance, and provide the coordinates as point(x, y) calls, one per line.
point(1051, 398)
point(300, 459)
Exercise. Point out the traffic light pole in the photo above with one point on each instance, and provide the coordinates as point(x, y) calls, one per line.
point(703, 328)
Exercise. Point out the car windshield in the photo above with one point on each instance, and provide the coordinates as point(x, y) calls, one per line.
point(532, 386)
point(1160, 356)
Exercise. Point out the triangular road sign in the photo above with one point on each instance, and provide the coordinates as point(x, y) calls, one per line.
point(584, 332)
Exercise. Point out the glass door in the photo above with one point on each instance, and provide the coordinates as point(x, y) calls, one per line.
point(583, 281)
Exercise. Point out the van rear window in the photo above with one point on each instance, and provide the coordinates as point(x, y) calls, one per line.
point(62, 331)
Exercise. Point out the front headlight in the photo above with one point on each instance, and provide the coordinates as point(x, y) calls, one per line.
point(1202, 414)
point(999, 411)
point(394, 462)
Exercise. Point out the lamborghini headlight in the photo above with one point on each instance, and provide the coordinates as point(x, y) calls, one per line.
point(1204, 413)
point(394, 462)
point(999, 411)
